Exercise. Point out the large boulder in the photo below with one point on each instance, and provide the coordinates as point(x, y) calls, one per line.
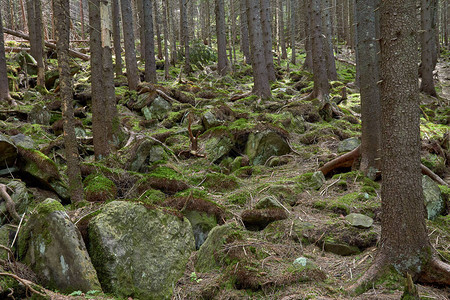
point(218, 146)
point(139, 252)
point(8, 152)
point(263, 145)
point(434, 202)
point(157, 110)
point(54, 249)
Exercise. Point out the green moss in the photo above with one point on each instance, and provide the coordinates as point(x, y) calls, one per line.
point(195, 193)
point(165, 173)
point(152, 197)
point(49, 205)
point(239, 198)
point(220, 182)
point(99, 188)
point(369, 190)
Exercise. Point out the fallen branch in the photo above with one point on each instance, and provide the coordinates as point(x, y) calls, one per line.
point(346, 61)
point(25, 282)
point(343, 161)
point(240, 96)
point(10, 205)
point(47, 44)
point(165, 96)
point(432, 175)
point(16, 49)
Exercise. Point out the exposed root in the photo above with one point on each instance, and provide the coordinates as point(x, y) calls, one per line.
point(26, 283)
point(345, 160)
point(375, 271)
point(10, 205)
point(436, 272)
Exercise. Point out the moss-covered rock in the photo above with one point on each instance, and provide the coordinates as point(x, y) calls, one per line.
point(434, 203)
point(21, 199)
point(263, 145)
point(310, 181)
point(52, 245)
point(8, 152)
point(162, 178)
point(99, 188)
point(139, 252)
point(219, 182)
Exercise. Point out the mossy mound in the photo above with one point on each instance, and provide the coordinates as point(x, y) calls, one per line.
point(164, 179)
point(219, 182)
point(99, 188)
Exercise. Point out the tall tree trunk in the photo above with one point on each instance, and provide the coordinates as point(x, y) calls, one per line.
point(61, 9)
point(83, 35)
point(158, 30)
point(321, 86)
point(104, 111)
point(24, 17)
point(308, 63)
point(261, 86)
point(292, 30)
point(345, 23)
point(129, 40)
point(222, 65)
point(282, 39)
point(150, 62)
point(327, 41)
point(351, 20)
point(404, 240)
point(368, 64)
point(184, 34)
point(173, 34)
point(116, 37)
point(166, 39)
point(4, 86)
point(34, 14)
point(428, 47)
point(245, 47)
point(267, 38)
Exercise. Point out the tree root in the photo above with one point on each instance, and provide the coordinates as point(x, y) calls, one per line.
point(10, 205)
point(26, 283)
point(437, 272)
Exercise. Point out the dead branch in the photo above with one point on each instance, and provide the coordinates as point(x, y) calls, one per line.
point(17, 49)
point(240, 96)
point(346, 61)
point(432, 175)
point(345, 160)
point(165, 96)
point(47, 44)
point(25, 282)
point(10, 205)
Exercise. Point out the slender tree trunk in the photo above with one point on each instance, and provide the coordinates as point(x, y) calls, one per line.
point(62, 19)
point(245, 47)
point(83, 35)
point(34, 14)
point(345, 22)
point(282, 39)
point(327, 41)
point(351, 20)
point(292, 30)
point(233, 30)
point(261, 86)
point(158, 30)
point(321, 86)
point(4, 86)
point(173, 34)
point(24, 17)
point(366, 31)
point(129, 40)
point(208, 20)
point(222, 65)
point(267, 38)
point(428, 47)
point(308, 63)
point(166, 39)
point(150, 62)
point(184, 33)
point(116, 37)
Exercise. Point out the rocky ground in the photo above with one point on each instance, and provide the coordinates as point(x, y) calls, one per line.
point(263, 223)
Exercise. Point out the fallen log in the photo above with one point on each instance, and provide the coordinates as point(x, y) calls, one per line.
point(16, 49)
point(47, 44)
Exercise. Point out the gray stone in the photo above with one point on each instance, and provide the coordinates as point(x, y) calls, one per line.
point(434, 202)
point(23, 141)
point(268, 202)
point(218, 147)
point(54, 249)
point(157, 154)
point(340, 248)
point(7, 233)
point(39, 115)
point(359, 220)
point(348, 144)
point(157, 110)
point(139, 252)
point(20, 198)
point(263, 145)
point(209, 256)
point(201, 223)
point(210, 120)
point(8, 152)
point(317, 180)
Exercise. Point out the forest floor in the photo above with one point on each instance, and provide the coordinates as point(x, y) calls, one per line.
point(320, 213)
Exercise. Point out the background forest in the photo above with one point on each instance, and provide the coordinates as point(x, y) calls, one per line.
point(224, 149)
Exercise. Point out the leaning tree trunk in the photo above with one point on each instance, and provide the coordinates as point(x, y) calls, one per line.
point(368, 64)
point(428, 48)
point(222, 65)
point(150, 62)
point(4, 87)
point(62, 23)
point(261, 86)
point(130, 51)
point(34, 14)
point(404, 242)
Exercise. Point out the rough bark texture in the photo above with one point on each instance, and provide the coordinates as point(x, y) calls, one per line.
point(184, 34)
point(116, 37)
point(129, 40)
point(281, 36)
point(4, 87)
point(267, 38)
point(158, 30)
point(368, 64)
point(150, 62)
point(292, 30)
point(428, 48)
point(261, 86)
point(245, 46)
point(62, 23)
point(34, 15)
point(166, 39)
point(308, 63)
point(321, 86)
point(327, 41)
point(222, 64)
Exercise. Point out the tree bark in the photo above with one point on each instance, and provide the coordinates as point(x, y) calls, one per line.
point(116, 37)
point(222, 64)
point(428, 48)
point(34, 14)
point(261, 86)
point(184, 35)
point(327, 40)
point(267, 38)
point(166, 39)
point(4, 86)
point(292, 30)
point(129, 40)
point(282, 39)
point(368, 64)
point(245, 47)
point(308, 63)
point(150, 62)
point(158, 30)
point(61, 9)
